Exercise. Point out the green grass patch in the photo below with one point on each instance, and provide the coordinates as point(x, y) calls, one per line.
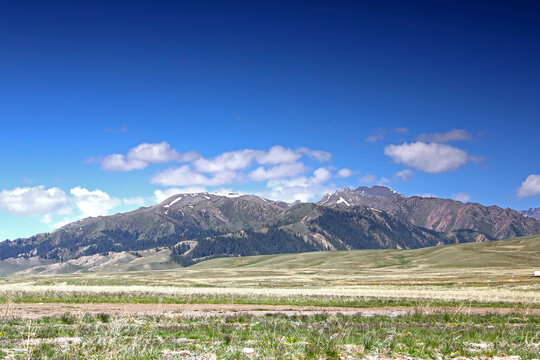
point(322, 301)
point(321, 336)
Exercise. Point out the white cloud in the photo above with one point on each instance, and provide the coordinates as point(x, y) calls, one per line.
point(142, 155)
point(118, 162)
point(452, 135)
point(232, 160)
point(404, 174)
point(278, 155)
point(321, 175)
point(345, 173)
point(53, 202)
point(93, 203)
point(36, 200)
point(300, 188)
point(530, 187)
point(319, 155)
point(243, 159)
point(432, 158)
point(463, 197)
point(162, 195)
point(277, 172)
point(185, 176)
point(138, 200)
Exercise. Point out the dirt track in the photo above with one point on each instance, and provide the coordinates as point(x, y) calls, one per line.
point(37, 310)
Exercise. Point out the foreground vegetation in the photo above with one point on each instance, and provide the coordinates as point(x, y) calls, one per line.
point(321, 336)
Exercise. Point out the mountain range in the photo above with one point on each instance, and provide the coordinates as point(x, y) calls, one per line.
point(438, 214)
point(532, 212)
point(200, 226)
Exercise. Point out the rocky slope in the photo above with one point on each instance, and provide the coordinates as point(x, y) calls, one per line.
point(532, 212)
point(438, 214)
point(184, 216)
point(196, 227)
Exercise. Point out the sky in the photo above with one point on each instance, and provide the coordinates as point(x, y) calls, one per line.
point(106, 106)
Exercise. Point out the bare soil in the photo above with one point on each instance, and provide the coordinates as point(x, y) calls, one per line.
point(38, 310)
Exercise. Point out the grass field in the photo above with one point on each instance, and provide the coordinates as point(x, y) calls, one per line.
point(496, 274)
point(319, 336)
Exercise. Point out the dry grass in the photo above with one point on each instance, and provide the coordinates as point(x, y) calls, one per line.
point(527, 294)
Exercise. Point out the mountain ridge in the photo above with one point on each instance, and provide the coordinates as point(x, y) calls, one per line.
point(438, 214)
point(200, 226)
point(531, 212)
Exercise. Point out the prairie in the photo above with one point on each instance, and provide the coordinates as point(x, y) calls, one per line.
point(468, 301)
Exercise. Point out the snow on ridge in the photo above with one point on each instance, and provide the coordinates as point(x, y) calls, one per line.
point(227, 194)
point(173, 202)
point(325, 198)
point(342, 201)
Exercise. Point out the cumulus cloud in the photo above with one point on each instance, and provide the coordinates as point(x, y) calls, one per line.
point(429, 157)
point(300, 188)
point(185, 176)
point(319, 155)
point(233, 166)
point(247, 164)
point(279, 155)
point(277, 172)
point(344, 173)
point(321, 175)
point(228, 161)
point(93, 203)
point(53, 202)
point(35, 200)
point(530, 187)
point(463, 197)
point(142, 155)
point(243, 159)
point(404, 174)
point(452, 135)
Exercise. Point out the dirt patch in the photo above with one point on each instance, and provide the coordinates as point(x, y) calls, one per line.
point(38, 310)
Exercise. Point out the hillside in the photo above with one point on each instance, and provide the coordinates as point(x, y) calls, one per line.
point(477, 260)
point(532, 212)
point(515, 253)
point(191, 228)
point(438, 214)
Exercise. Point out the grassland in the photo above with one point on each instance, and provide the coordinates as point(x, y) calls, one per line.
point(497, 273)
point(458, 277)
point(319, 336)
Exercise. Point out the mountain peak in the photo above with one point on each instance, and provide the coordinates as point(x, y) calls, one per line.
point(377, 191)
point(352, 197)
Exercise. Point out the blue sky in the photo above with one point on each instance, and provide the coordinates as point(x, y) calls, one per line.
point(106, 106)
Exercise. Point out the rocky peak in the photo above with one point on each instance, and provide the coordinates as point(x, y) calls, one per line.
point(359, 196)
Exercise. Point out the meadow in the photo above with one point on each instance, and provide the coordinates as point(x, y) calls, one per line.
point(300, 306)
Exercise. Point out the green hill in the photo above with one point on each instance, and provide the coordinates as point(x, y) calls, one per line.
point(522, 252)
